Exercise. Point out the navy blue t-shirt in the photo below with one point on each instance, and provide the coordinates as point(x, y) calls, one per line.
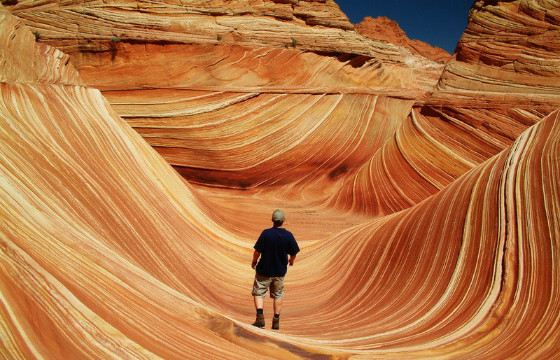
point(275, 244)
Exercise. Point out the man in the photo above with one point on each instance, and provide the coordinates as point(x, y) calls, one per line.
point(273, 247)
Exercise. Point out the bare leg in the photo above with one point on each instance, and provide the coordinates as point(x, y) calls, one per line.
point(277, 306)
point(259, 302)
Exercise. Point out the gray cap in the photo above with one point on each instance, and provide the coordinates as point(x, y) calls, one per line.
point(278, 215)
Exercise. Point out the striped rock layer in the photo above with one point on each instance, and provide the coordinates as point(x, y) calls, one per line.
point(427, 214)
point(508, 47)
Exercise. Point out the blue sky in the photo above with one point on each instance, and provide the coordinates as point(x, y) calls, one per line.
point(437, 22)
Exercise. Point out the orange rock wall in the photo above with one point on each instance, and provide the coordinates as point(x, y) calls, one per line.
point(383, 28)
point(508, 47)
point(307, 25)
point(426, 216)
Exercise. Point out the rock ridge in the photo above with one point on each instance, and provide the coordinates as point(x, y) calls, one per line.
point(385, 29)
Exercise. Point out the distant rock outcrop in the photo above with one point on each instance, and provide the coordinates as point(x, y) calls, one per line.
point(383, 28)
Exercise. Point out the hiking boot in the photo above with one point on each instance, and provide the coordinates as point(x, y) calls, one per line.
point(275, 323)
point(259, 322)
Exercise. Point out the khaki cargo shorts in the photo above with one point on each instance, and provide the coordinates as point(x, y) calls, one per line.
point(263, 283)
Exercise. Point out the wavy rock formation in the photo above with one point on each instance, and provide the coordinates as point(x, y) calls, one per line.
point(383, 28)
point(427, 216)
point(184, 81)
point(508, 47)
point(99, 235)
point(307, 25)
point(94, 31)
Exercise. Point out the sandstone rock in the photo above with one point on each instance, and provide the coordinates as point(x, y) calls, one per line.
point(427, 217)
point(25, 61)
point(429, 151)
point(83, 201)
point(312, 25)
point(508, 47)
point(188, 55)
point(383, 28)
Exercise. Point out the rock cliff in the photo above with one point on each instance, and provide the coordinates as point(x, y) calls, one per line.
point(510, 47)
point(181, 74)
point(425, 204)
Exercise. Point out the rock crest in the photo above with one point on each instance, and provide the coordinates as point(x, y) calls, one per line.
point(383, 28)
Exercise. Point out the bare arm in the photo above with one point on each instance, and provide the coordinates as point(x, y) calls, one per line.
point(291, 260)
point(256, 256)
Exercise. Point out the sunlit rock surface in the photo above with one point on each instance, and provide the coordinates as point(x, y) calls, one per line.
point(508, 47)
point(383, 28)
point(307, 25)
point(427, 216)
point(103, 246)
point(195, 93)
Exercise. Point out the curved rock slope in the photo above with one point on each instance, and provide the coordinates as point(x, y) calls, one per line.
point(429, 227)
point(199, 96)
point(185, 75)
point(103, 249)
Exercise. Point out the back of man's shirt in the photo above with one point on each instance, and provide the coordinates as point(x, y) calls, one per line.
point(275, 244)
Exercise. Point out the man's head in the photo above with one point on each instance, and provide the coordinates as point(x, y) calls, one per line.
point(278, 217)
